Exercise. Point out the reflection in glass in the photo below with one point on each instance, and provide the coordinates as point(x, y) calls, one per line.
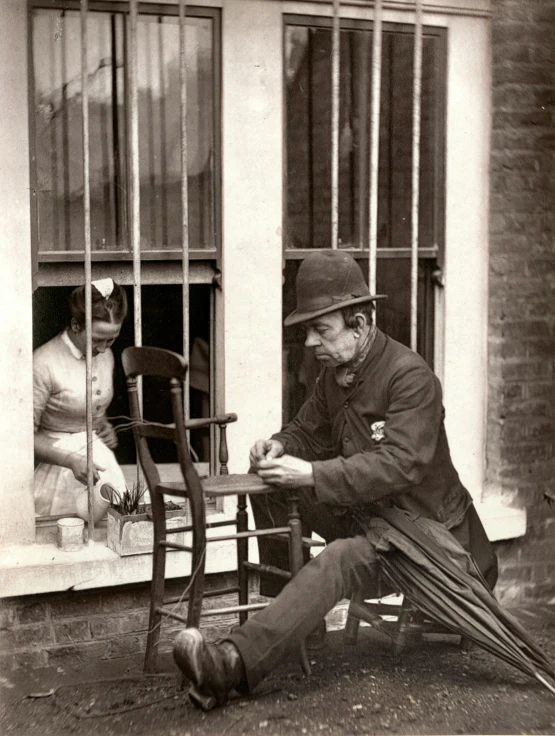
point(308, 138)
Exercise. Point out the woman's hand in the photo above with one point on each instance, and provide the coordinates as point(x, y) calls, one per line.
point(107, 434)
point(264, 450)
point(78, 466)
point(286, 472)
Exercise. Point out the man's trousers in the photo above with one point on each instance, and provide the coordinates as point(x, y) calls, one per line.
point(347, 564)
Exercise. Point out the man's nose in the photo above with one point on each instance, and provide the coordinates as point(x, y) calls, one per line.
point(100, 348)
point(311, 339)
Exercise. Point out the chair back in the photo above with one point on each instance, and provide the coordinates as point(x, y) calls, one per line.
point(171, 367)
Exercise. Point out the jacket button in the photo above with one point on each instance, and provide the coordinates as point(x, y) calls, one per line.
point(346, 440)
point(346, 405)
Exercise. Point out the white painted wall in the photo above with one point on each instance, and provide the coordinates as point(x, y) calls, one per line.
point(252, 220)
point(16, 423)
point(466, 253)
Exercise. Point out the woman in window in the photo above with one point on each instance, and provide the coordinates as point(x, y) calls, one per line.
point(59, 386)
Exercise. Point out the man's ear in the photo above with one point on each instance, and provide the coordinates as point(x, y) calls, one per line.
point(74, 325)
point(361, 321)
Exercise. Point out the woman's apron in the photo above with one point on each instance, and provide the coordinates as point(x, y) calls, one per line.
point(57, 490)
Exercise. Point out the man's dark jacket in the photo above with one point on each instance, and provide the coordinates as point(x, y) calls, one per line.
point(403, 462)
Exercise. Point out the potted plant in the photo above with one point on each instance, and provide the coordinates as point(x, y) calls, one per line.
point(130, 526)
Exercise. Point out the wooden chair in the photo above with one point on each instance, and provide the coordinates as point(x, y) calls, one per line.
point(163, 364)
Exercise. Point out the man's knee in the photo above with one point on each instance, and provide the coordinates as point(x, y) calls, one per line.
point(353, 559)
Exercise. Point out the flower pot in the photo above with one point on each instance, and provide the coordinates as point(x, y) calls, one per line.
point(133, 534)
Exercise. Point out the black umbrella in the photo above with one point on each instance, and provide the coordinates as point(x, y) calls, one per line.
point(441, 579)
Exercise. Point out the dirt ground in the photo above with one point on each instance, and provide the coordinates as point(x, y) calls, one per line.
point(434, 688)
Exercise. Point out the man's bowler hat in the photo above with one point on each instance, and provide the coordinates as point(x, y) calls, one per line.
point(328, 280)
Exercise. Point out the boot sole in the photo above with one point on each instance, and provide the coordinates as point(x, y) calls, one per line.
point(201, 700)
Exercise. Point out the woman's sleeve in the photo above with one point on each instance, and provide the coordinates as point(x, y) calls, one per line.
point(42, 390)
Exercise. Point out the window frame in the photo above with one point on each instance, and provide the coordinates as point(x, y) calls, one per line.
point(122, 257)
point(440, 154)
point(65, 268)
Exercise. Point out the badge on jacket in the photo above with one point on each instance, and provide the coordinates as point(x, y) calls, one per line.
point(378, 431)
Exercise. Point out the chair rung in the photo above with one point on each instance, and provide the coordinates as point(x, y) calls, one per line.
point(175, 545)
point(306, 541)
point(267, 569)
point(234, 609)
point(250, 533)
point(208, 525)
point(383, 609)
point(359, 611)
point(171, 614)
point(206, 594)
point(214, 611)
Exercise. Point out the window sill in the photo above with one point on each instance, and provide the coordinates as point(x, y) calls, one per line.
point(43, 568)
point(500, 520)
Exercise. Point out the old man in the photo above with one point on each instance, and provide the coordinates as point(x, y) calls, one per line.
point(371, 435)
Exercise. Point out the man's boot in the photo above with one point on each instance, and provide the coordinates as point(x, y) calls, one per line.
point(213, 669)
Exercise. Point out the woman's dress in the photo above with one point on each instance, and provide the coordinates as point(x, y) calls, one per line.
point(59, 396)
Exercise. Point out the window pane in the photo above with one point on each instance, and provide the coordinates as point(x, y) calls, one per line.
point(160, 132)
point(58, 124)
point(308, 138)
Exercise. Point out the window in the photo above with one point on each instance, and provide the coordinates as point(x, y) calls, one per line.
point(57, 179)
point(308, 103)
point(56, 43)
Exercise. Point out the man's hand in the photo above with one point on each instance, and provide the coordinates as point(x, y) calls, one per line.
point(78, 466)
point(264, 450)
point(286, 472)
point(107, 434)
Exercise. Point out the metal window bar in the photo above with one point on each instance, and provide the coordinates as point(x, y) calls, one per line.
point(135, 187)
point(416, 120)
point(335, 70)
point(134, 164)
point(87, 263)
point(184, 196)
point(375, 144)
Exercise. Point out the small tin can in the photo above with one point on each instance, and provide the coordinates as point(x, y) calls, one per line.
point(70, 534)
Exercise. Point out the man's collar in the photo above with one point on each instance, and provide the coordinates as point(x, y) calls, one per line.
point(74, 350)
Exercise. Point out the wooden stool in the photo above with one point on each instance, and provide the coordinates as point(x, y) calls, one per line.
point(409, 621)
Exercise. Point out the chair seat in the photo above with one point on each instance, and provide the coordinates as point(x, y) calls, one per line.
point(222, 485)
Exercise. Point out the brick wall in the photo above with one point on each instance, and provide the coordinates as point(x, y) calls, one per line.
point(58, 629)
point(64, 629)
point(521, 406)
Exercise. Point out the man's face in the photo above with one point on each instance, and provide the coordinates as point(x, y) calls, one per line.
point(331, 340)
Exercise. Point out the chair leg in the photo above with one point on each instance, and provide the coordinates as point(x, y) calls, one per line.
point(403, 625)
point(296, 560)
point(242, 521)
point(156, 602)
point(350, 632)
